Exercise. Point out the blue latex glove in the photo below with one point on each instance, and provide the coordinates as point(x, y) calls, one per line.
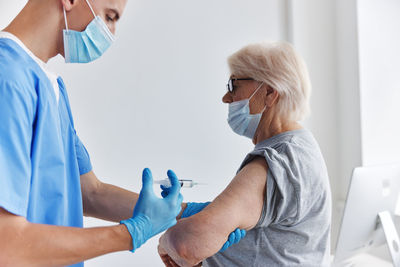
point(193, 208)
point(233, 238)
point(153, 215)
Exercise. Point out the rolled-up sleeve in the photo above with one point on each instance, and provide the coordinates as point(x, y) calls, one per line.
point(281, 198)
point(17, 112)
point(283, 185)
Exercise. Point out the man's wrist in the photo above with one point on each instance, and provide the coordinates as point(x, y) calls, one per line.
point(140, 229)
point(124, 237)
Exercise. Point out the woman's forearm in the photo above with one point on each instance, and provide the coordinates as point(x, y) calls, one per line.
point(185, 242)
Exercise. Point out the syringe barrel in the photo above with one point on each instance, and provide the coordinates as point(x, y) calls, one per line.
point(184, 183)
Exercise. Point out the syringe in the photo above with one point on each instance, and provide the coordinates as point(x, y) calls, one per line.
point(184, 183)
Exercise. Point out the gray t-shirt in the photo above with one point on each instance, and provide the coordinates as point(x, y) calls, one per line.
point(294, 227)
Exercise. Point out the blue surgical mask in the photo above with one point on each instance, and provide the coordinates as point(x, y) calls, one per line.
point(239, 117)
point(89, 45)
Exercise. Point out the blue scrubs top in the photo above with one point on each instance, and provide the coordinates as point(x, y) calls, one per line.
point(41, 156)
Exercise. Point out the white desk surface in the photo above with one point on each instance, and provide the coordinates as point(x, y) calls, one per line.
point(367, 260)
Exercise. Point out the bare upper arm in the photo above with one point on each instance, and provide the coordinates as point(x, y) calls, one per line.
point(11, 228)
point(238, 206)
point(90, 184)
point(243, 199)
point(7, 218)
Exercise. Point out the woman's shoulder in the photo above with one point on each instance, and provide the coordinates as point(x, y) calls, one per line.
point(287, 142)
point(295, 151)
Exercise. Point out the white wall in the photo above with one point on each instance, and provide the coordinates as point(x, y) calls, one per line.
point(379, 43)
point(348, 86)
point(348, 104)
point(9, 11)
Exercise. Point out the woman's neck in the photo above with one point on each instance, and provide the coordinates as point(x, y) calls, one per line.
point(271, 125)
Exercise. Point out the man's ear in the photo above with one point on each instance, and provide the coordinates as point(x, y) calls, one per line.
point(272, 97)
point(69, 4)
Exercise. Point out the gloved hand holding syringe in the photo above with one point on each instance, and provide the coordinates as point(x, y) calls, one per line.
point(184, 183)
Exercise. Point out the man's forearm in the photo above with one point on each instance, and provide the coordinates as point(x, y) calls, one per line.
point(113, 203)
point(110, 203)
point(43, 245)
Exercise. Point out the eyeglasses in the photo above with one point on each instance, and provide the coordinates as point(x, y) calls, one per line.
point(230, 86)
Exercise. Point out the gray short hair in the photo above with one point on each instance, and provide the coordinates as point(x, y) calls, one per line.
point(278, 65)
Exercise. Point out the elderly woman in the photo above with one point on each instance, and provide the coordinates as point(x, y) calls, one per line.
point(281, 193)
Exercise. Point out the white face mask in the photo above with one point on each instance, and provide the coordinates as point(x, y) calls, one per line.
point(239, 117)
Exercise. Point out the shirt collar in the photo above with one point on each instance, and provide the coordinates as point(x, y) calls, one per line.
point(51, 75)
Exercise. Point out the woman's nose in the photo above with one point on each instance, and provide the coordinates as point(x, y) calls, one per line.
point(227, 98)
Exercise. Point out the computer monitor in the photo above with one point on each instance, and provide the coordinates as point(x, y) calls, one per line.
point(370, 206)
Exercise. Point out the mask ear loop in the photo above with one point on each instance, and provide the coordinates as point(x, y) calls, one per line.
point(258, 88)
point(268, 93)
point(91, 9)
point(65, 18)
point(65, 14)
point(107, 30)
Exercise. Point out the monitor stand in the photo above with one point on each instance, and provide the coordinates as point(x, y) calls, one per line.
point(392, 238)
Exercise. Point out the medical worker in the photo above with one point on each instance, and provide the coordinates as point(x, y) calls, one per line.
point(46, 178)
point(47, 182)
